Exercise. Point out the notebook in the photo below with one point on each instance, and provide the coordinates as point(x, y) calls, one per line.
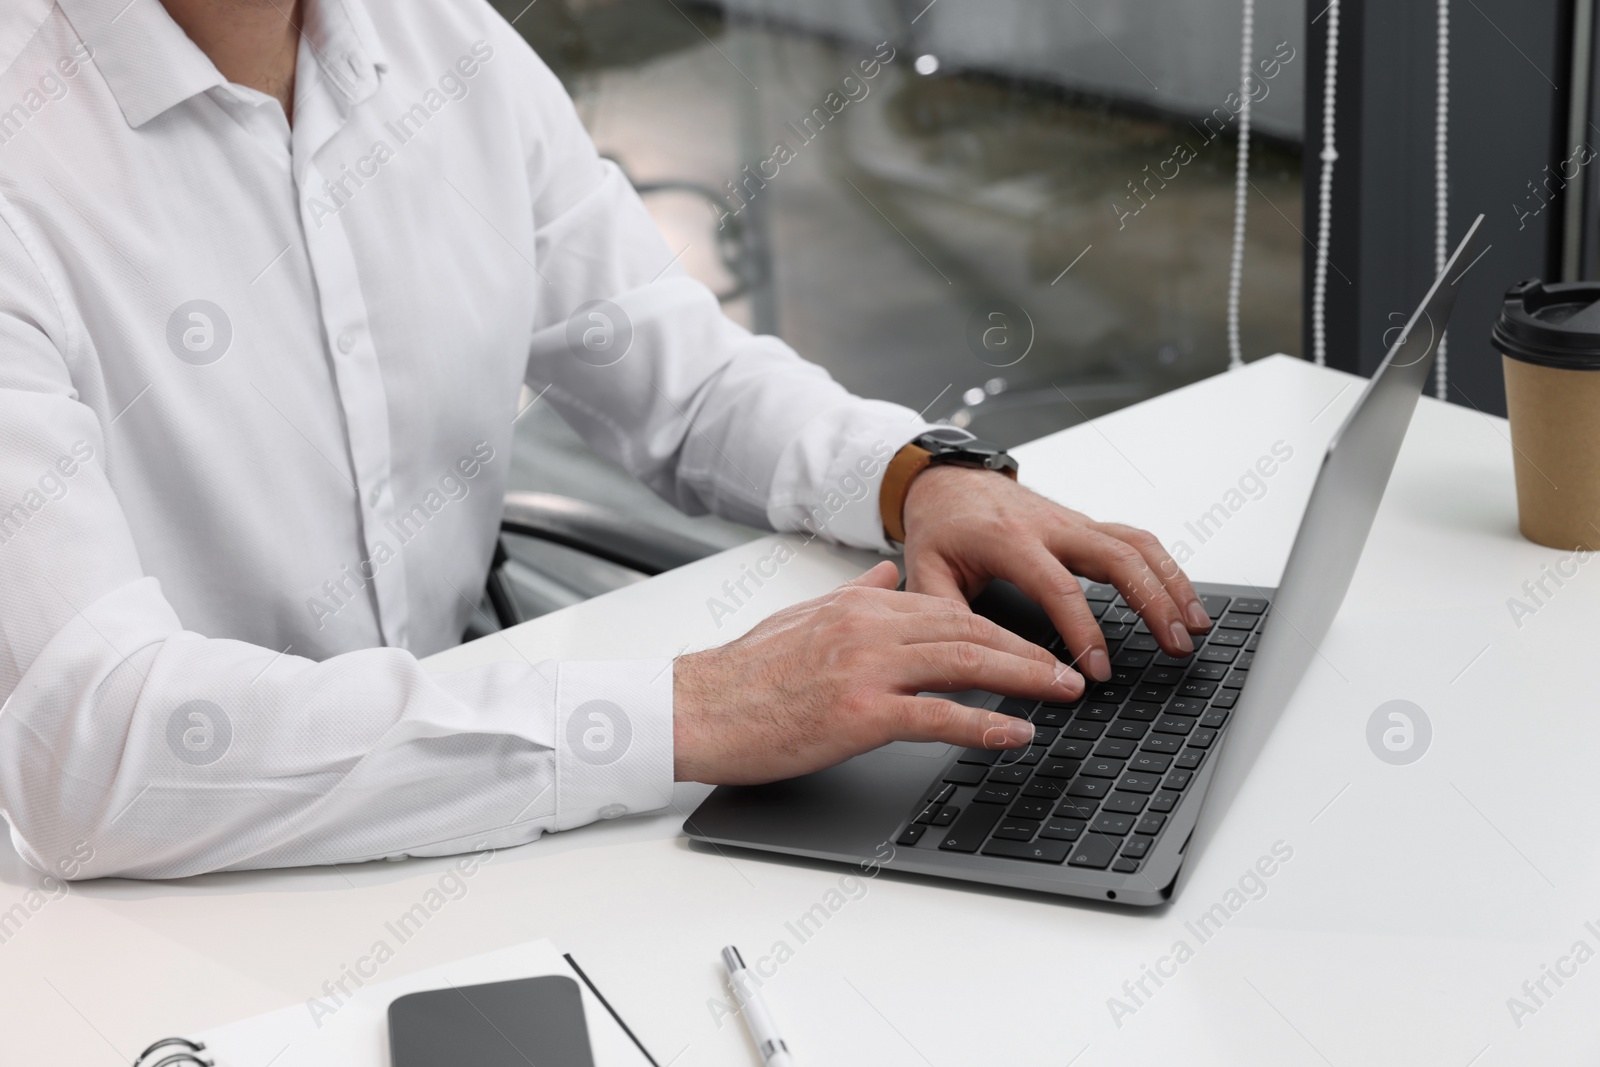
point(355, 1032)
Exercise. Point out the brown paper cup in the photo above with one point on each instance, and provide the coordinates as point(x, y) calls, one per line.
point(1555, 440)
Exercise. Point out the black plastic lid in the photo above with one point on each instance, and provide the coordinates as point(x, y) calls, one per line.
point(1551, 325)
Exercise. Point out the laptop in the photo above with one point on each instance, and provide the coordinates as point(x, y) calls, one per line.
point(1122, 786)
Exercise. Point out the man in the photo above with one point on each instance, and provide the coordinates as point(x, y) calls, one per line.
point(271, 276)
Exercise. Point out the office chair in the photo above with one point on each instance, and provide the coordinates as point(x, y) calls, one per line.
point(639, 551)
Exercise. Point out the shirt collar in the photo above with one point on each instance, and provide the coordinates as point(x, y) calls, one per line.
point(151, 65)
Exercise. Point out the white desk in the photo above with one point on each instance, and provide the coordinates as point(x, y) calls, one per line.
point(1418, 898)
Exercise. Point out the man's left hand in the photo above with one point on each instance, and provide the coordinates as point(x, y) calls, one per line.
point(965, 526)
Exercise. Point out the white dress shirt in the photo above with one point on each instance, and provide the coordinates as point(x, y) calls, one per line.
point(257, 392)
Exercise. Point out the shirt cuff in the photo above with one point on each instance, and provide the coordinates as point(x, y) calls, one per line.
point(828, 479)
point(613, 737)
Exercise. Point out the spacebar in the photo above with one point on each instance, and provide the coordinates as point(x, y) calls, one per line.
point(970, 829)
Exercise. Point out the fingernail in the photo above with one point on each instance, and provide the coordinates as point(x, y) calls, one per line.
point(1180, 637)
point(1068, 679)
point(1099, 664)
point(1019, 732)
point(1196, 614)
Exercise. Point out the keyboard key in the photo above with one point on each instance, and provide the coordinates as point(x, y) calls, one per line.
point(1236, 679)
point(1139, 712)
point(1250, 605)
point(1030, 808)
point(1131, 658)
point(1115, 631)
point(1136, 846)
point(1164, 802)
point(1125, 676)
point(1094, 851)
point(1040, 851)
point(1207, 672)
point(1058, 768)
point(1103, 592)
point(1116, 748)
point(1167, 724)
point(1020, 709)
point(1168, 744)
point(1089, 787)
point(964, 774)
point(1152, 694)
point(1244, 661)
point(1186, 706)
point(1150, 762)
point(1220, 654)
point(1050, 715)
point(1123, 803)
point(1017, 829)
point(1252, 644)
point(1194, 687)
point(979, 756)
point(1125, 865)
point(1089, 731)
point(947, 815)
point(971, 828)
point(1139, 782)
point(1142, 643)
point(1097, 712)
point(1102, 768)
point(1112, 823)
point(1120, 613)
point(1016, 775)
point(1072, 748)
point(1109, 694)
point(1043, 736)
point(1225, 699)
point(1227, 639)
point(1202, 738)
point(1189, 760)
point(1048, 788)
point(1213, 718)
point(1150, 824)
point(927, 812)
point(938, 793)
point(1164, 660)
point(1126, 729)
point(1235, 620)
point(1062, 829)
point(1163, 675)
point(995, 794)
point(1176, 780)
point(1077, 808)
point(912, 835)
point(1216, 604)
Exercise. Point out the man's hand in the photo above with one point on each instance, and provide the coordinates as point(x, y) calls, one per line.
point(836, 676)
point(965, 526)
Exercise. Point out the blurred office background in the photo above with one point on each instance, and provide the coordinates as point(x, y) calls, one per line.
point(1006, 142)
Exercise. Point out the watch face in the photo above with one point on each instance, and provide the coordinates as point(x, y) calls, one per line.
point(941, 437)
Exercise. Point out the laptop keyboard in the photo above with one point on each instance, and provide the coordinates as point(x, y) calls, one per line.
point(1104, 773)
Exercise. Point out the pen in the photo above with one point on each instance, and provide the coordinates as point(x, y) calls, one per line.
point(774, 1053)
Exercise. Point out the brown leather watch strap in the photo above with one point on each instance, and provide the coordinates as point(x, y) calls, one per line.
point(907, 463)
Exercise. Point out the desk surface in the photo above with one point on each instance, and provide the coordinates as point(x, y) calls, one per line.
point(1414, 902)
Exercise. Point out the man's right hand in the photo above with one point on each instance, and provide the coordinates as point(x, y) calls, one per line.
point(833, 677)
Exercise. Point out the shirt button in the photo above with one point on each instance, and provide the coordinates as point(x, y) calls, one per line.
point(611, 811)
point(347, 341)
point(374, 496)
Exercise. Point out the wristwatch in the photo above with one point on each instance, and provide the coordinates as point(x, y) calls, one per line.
point(946, 444)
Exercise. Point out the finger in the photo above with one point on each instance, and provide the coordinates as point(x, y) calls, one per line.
point(934, 578)
point(1167, 569)
point(952, 666)
point(1124, 567)
point(916, 718)
point(883, 575)
point(942, 622)
point(1042, 576)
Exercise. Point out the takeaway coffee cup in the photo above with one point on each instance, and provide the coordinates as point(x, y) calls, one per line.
point(1549, 339)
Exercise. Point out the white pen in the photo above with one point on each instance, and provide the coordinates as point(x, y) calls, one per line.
point(774, 1053)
